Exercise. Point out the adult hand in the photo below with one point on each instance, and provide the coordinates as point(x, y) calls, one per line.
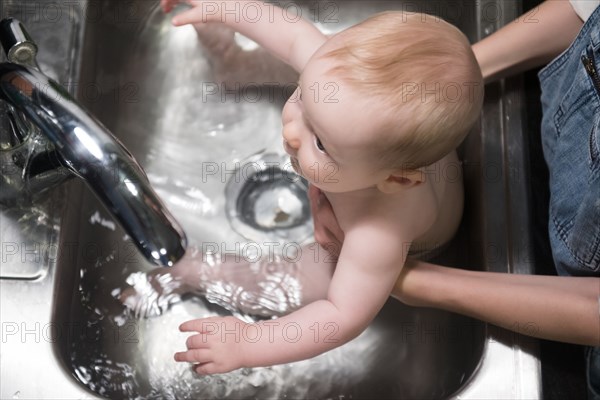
point(327, 230)
point(409, 285)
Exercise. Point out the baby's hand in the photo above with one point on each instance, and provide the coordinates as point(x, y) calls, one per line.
point(197, 14)
point(218, 39)
point(217, 347)
point(233, 65)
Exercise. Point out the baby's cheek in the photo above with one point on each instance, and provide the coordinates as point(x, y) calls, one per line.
point(312, 171)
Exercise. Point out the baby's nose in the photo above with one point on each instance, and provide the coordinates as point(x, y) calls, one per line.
point(291, 138)
point(294, 144)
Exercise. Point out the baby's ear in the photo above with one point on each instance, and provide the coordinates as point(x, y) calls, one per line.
point(401, 180)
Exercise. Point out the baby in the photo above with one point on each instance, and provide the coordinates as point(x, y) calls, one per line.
point(379, 110)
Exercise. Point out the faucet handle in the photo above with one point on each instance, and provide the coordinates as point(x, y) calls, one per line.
point(17, 43)
point(82, 146)
point(19, 48)
point(15, 128)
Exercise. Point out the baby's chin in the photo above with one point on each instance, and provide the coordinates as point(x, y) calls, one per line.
point(325, 187)
point(297, 169)
point(296, 166)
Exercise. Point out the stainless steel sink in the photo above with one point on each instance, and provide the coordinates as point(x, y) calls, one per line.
point(157, 89)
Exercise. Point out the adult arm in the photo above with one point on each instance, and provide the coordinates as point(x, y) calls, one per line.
point(565, 309)
point(530, 41)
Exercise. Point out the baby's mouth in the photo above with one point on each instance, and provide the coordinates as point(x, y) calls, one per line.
point(295, 165)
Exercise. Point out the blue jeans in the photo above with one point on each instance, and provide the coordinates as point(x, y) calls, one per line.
point(593, 372)
point(571, 143)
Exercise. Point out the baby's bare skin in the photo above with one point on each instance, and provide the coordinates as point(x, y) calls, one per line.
point(445, 180)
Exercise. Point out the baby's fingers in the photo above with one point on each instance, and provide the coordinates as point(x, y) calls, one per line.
point(199, 356)
point(196, 341)
point(192, 16)
point(202, 325)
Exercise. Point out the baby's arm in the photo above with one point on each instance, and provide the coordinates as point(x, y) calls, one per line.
point(364, 276)
point(294, 42)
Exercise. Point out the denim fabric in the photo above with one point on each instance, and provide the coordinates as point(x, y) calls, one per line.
point(571, 144)
point(593, 372)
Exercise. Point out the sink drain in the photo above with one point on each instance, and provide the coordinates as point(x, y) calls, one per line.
point(266, 200)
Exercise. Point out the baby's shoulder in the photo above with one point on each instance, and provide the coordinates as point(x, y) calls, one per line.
point(445, 188)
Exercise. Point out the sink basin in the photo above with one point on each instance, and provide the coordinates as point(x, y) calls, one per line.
point(160, 92)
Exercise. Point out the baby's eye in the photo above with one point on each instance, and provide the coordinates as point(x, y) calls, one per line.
point(320, 145)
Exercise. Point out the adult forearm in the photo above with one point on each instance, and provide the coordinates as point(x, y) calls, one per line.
point(548, 307)
point(532, 40)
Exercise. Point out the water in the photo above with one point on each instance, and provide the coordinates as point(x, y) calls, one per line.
point(143, 334)
point(264, 288)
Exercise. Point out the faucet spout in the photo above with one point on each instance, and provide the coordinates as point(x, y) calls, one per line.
point(87, 149)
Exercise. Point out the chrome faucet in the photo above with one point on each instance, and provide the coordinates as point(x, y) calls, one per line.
point(46, 137)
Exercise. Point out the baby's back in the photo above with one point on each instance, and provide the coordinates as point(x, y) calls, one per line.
point(426, 215)
point(445, 181)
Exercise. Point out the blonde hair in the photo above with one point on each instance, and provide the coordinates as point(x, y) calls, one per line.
point(425, 72)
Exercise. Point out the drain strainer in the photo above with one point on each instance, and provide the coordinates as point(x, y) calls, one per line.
point(267, 200)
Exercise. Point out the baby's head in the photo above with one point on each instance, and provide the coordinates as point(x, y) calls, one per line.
point(423, 73)
point(398, 91)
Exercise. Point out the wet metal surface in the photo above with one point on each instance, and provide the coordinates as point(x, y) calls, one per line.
point(159, 91)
